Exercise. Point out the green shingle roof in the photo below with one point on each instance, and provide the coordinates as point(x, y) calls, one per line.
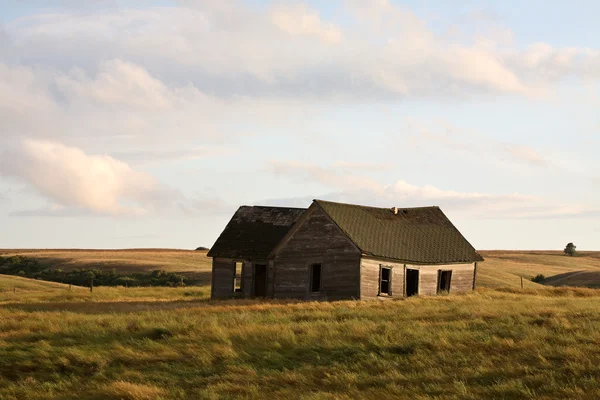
point(420, 235)
point(254, 231)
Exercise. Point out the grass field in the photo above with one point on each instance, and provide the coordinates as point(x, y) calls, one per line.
point(14, 283)
point(504, 269)
point(191, 264)
point(173, 343)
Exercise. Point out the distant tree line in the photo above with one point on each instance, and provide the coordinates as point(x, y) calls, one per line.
point(31, 268)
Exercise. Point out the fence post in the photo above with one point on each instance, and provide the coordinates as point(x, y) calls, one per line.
point(521, 282)
point(91, 285)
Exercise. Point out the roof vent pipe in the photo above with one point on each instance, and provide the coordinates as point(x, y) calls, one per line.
point(395, 210)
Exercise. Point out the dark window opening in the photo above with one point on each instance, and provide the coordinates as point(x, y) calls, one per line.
point(385, 281)
point(315, 278)
point(237, 278)
point(444, 279)
point(412, 282)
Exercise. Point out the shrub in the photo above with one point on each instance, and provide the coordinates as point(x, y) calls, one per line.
point(31, 268)
point(538, 278)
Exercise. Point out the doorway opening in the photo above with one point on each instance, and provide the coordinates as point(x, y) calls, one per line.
point(412, 282)
point(260, 280)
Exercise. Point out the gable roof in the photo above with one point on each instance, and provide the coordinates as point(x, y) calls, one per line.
point(421, 235)
point(254, 231)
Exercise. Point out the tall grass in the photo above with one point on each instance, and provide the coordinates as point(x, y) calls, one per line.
point(172, 343)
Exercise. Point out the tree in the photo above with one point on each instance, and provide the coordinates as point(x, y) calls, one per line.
point(570, 249)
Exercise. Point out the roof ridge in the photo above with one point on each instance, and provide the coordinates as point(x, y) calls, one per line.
point(277, 207)
point(376, 208)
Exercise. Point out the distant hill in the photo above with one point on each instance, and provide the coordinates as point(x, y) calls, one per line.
point(194, 265)
point(501, 268)
point(504, 269)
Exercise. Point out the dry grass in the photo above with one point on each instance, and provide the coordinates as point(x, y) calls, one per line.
point(504, 269)
point(171, 343)
point(16, 283)
point(191, 264)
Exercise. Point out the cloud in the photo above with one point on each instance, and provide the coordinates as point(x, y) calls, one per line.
point(383, 51)
point(299, 19)
point(71, 178)
point(344, 187)
point(524, 154)
point(450, 137)
point(138, 157)
point(122, 106)
point(77, 184)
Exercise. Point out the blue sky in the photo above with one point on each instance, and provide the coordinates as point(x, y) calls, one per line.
point(146, 124)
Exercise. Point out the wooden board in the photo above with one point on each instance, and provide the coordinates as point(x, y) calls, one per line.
point(317, 240)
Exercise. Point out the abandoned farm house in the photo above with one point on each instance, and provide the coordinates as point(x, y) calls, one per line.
point(335, 251)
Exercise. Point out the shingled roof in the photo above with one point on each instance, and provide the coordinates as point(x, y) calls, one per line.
point(420, 235)
point(254, 231)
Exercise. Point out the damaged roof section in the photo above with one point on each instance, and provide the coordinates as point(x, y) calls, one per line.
point(420, 235)
point(254, 231)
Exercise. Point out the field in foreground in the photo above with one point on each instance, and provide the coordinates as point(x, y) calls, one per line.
point(172, 343)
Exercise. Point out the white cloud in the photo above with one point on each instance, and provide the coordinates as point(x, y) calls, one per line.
point(118, 83)
point(290, 51)
point(77, 183)
point(299, 19)
point(453, 138)
point(123, 106)
point(353, 188)
point(179, 82)
point(71, 178)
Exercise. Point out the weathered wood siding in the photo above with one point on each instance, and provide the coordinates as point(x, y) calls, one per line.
point(462, 277)
point(247, 279)
point(369, 277)
point(271, 279)
point(223, 272)
point(317, 240)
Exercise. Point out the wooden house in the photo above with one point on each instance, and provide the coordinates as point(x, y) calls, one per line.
point(335, 251)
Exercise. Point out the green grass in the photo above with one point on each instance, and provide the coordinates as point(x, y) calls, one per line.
point(171, 343)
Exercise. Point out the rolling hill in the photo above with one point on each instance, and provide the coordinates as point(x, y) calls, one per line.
point(501, 268)
point(505, 268)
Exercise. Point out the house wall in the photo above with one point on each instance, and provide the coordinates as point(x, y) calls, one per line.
point(222, 278)
point(369, 277)
point(462, 277)
point(317, 240)
point(247, 279)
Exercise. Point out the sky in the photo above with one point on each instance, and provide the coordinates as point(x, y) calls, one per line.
point(146, 124)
